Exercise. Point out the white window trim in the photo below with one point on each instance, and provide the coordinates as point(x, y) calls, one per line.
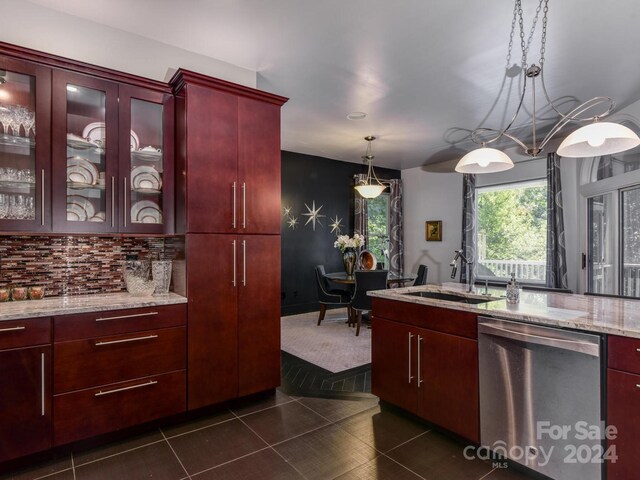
point(497, 187)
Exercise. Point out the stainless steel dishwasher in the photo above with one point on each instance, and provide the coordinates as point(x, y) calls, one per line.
point(539, 396)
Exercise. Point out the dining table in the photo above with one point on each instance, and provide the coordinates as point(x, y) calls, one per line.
point(392, 280)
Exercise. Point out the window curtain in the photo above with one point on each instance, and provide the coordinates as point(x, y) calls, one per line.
point(556, 268)
point(468, 246)
point(396, 226)
point(396, 233)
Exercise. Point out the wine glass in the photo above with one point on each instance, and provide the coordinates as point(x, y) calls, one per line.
point(29, 122)
point(5, 118)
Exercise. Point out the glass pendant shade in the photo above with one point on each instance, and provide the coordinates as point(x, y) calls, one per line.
point(370, 190)
point(599, 138)
point(484, 160)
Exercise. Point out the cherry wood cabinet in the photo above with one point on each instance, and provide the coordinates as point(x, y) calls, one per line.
point(233, 286)
point(623, 406)
point(83, 149)
point(25, 146)
point(25, 376)
point(427, 371)
point(117, 373)
point(228, 157)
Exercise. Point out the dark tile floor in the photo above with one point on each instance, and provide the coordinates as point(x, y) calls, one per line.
point(280, 437)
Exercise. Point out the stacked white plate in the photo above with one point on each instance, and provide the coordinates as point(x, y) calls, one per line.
point(145, 178)
point(81, 171)
point(146, 211)
point(96, 132)
point(79, 208)
point(79, 143)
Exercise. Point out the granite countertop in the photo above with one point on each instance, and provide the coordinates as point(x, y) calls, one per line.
point(82, 304)
point(583, 312)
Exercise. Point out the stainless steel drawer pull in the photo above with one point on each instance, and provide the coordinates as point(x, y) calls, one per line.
point(42, 197)
point(12, 329)
point(124, 207)
point(124, 389)
point(244, 263)
point(125, 340)
point(410, 376)
point(113, 202)
point(134, 315)
point(42, 412)
point(233, 189)
point(419, 361)
point(234, 264)
point(244, 205)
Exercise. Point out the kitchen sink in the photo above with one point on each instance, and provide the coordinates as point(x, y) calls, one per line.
point(449, 297)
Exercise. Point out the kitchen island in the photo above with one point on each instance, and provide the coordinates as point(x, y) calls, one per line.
point(426, 360)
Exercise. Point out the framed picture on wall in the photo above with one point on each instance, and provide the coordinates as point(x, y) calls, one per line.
point(433, 230)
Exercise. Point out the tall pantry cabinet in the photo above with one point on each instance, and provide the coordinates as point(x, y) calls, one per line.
point(228, 207)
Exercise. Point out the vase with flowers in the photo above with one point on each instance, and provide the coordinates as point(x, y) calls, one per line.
point(347, 246)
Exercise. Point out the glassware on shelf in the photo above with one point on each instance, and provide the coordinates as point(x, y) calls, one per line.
point(17, 207)
point(161, 271)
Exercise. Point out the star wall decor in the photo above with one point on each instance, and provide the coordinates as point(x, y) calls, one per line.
point(293, 222)
point(286, 211)
point(335, 225)
point(313, 214)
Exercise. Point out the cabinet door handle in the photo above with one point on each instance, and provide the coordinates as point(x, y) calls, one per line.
point(12, 329)
point(126, 340)
point(244, 205)
point(42, 197)
point(42, 411)
point(244, 263)
point(124, 206)
point(233, 191)
point(120, 317)
point(124, 389)
point(419, 361)
point(113, 202)
point(410, 338)
point(234, 264)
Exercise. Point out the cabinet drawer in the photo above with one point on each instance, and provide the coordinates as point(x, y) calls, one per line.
point(624, 354)
point(623, 412)
point(113, 322)
point(95, 411)
point(25, 333)
point(86, 363)
point(455, 322)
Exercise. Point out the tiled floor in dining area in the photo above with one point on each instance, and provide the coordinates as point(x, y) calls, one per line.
point(280, 437)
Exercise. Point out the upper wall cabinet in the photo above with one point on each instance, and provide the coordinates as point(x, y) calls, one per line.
point(25, 143)
point(146, 161)
point(112, 156)
point(83, 149)
point(229, 144)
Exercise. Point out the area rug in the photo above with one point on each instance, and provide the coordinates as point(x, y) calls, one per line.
point(332, 345)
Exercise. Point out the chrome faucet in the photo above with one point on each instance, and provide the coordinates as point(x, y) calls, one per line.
point(454, 267)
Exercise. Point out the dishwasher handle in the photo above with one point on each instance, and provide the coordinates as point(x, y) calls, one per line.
point(587, 348)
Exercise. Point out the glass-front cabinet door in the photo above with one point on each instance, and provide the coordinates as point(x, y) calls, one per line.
point(146, 161)
point(25, 96)
point(85, 152)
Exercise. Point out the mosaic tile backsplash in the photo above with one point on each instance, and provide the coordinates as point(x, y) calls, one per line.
point(77, 265)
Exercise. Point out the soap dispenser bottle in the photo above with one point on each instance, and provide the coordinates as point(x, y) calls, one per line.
point(513, 290)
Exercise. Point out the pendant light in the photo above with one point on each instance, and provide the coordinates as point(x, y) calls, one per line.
point(369, 189)
point(595, 139)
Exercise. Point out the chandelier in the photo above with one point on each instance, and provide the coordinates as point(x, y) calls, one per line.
point(369, 189)
point(596, 139)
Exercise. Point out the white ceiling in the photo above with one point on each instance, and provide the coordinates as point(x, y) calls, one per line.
point(420, 69)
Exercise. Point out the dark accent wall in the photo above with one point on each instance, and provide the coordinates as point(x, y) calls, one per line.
point(305, 179)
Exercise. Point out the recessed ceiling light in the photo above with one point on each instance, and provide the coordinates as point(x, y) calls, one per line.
point(356, 115)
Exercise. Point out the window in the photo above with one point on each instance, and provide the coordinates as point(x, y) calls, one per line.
point(613, 219)
point(512, 231)
point(378, 227)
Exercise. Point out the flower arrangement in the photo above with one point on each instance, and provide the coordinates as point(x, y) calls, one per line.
point(344, 241)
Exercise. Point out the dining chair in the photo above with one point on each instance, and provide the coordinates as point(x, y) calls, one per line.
point(328, 295)
point(421, 276)
point(366, 281)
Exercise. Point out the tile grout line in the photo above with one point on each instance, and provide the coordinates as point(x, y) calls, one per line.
point(198, 429)
point(274, 450)
point(176, 455)
point(231, 461)
point(119, 453)
point(262, 409)
point(404, 466)
point(73, 467)
point(49, 474)
point(487, 474)
point(407, 441)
